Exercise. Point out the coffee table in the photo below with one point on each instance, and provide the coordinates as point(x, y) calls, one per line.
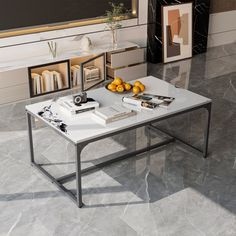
point(83, 129)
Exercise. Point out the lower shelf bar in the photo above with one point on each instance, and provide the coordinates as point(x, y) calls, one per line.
point(69, 177)
point(178, 139)
point(54, 181)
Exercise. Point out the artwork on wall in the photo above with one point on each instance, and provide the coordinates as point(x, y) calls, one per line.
point(177, 32)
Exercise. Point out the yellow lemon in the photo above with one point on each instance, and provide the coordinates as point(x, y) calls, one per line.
point(117, 81)
point(127, 86)
point(137, 83)
point(136, 90)
point(120, 88)
point(142, 87)
point(111, 87)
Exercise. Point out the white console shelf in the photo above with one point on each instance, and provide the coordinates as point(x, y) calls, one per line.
point(19, 63)
point(127, 60)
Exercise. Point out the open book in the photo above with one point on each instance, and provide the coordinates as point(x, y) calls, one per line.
point(148, 101)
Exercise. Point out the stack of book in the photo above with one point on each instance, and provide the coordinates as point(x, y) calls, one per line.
point(46, 82)
point(106, 115)
point(67, 106)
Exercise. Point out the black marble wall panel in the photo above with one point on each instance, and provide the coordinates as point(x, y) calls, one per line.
point(200, 26)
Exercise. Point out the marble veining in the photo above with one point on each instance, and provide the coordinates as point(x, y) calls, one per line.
point(171, 191)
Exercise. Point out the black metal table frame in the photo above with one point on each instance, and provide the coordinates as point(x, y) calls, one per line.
point(77, 198)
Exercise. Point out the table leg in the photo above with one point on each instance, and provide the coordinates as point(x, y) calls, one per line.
point(78, 150)
point(207, 130)
point(31, 145)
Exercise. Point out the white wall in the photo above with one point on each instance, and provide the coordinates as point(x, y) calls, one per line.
point(222, 28)
point(14, 84)
point(95, 29)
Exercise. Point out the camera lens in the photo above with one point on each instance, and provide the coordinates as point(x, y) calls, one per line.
point(77, 100)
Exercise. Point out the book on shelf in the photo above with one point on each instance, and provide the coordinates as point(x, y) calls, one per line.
point(67, 105)
point(57, 80)
point(106, 115)
point(47, 82)
point(37, 83)
point(90, 73)
point(76, 75)
point(47, 77)
point(148, 101)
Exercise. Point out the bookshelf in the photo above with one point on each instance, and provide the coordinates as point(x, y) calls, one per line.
point(84, 72)
point(49, 78)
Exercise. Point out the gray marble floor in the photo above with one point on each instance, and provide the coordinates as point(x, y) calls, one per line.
point(171, 191)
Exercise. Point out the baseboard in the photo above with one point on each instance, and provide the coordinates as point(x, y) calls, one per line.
point(222, 28)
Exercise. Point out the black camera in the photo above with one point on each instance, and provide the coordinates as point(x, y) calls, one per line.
point(80, 98)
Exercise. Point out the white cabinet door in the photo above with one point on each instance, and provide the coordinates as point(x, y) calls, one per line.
point(129, 57)
point(132, 72)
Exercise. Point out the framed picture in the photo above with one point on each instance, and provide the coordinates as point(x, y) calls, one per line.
point(177, 32)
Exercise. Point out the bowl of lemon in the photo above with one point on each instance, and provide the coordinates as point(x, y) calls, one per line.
point(119, 86)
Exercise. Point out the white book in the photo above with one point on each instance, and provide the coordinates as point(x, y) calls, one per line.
point(113, 113)
point(35, 77)
point(78, 75)
point(52, 81)
point(37, 84)
point(47, 80)
point(74, 75)
point(67, 105)
point(58, 80)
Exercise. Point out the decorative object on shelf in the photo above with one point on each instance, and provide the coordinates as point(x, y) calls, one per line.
point(53, 49)
point(86, 44)
point(114, 17)
point(91, 73)
point(177, 32)
point(201, 12)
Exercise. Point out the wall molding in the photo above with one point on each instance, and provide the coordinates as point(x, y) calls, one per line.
point(222, 28)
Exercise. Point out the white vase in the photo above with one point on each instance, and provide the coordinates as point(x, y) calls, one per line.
point(114, 38)
point(52, 49)
point(86, 44)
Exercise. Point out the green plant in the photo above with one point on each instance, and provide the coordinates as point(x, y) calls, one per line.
point(113, 18)
point(115, 15)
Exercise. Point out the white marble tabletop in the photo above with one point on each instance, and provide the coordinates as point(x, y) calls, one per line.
point(83, 127)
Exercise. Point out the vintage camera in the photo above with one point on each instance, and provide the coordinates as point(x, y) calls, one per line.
point(80, 98)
